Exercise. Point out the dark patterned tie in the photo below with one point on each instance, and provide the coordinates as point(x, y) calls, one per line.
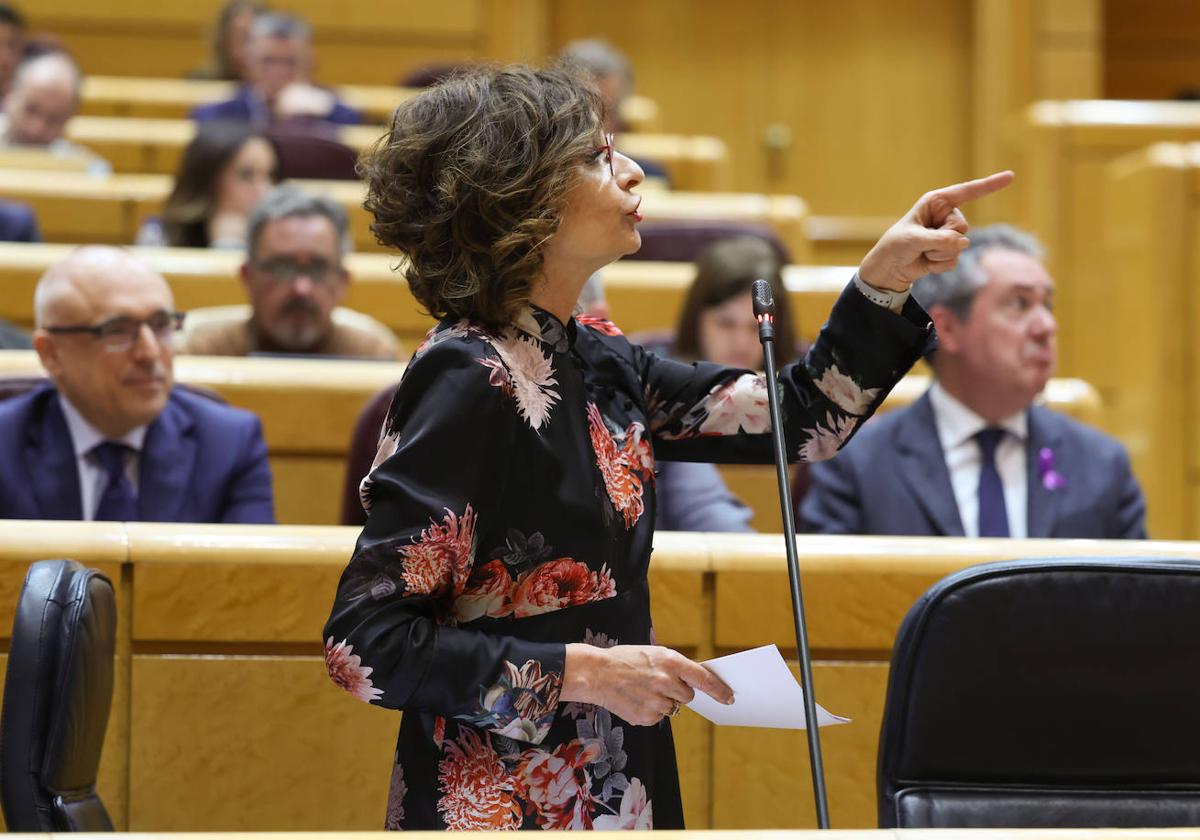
point(993, 516)
point(117, 502)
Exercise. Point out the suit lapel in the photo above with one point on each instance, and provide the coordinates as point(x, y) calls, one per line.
point(1044, 433)
point(50, 461)
point(923, 468)
point(167, 460)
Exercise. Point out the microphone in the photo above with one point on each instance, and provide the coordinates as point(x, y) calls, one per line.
point(764, 313)
point(764, 310)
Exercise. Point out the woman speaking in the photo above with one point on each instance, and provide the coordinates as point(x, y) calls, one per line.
point(498, 592)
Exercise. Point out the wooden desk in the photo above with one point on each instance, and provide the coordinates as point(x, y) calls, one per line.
point(149, 145)
point(75, 208)
point(223, 717)
point(164, 98)
point(643, 295)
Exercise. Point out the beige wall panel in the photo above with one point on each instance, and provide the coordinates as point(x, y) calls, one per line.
point(833, 78)
point(308, 490)
point(232, 602)
point(693, 753)
point(1070, 16)
point(254, 744)
point(356, 41)
point(1071, 71)
point(753, 608)
point(1068, 145)
point(854, 82)
point(680, 608)
point(1150, 48)
point(761, 776)
point(1193, 407)
point(1149, 238)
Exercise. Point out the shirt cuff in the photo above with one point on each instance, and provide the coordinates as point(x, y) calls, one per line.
point(888, 300)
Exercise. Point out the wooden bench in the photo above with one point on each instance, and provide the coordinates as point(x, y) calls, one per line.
point(76, 208)
point(223, 718)
point(309, 406)
point(164, 98)
point(150, 145)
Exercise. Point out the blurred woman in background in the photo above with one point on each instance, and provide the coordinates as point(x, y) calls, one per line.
point(225, 170)
point(716, 324)
point(230, 35)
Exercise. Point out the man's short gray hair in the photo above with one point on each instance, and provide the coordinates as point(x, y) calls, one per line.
point(601, 59)
point(287, 201)
point(280, 25)
point(956, 289)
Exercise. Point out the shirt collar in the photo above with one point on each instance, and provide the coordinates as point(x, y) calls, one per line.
point(957, 424)
point(546, 328)
point(85, 437)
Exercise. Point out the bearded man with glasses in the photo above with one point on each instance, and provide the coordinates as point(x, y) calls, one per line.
point(110, 436)
point(295, 279)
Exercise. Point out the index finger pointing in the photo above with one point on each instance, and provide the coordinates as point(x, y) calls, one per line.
point(957, 195)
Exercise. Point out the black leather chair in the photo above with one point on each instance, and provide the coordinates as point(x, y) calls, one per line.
point(1047, 693)
point(57, 696)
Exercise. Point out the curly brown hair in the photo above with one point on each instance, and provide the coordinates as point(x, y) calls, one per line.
point(470, 179)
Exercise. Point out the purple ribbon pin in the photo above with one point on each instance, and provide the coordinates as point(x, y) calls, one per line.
point(1052, 479)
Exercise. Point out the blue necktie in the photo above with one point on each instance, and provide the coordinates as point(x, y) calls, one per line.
point(993, 516)
point(117, 502)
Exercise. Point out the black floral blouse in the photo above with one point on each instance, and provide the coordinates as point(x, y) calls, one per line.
point(511, 511)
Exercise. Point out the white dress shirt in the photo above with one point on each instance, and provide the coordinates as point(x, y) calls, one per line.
point(956, 428)
point(92, 477)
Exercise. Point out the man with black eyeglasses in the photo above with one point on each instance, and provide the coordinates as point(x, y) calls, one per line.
point(295, 279)
point(110, 436)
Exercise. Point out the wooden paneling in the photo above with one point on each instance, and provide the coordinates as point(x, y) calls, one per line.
point(831, 79)
point(355, 42)
point(224, 733)
point(1150, 233)
point(1068, 147)
point(244, 743)
point(1150, 48)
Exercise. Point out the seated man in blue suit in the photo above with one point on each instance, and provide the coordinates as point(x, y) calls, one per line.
point(110, 437)
point(279, 61)
point(974, 456)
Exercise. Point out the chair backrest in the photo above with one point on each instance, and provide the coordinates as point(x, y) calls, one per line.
point(364, 444)
point(671, 241)
point(57, 695)
point(310, 150)
point(1047, 693)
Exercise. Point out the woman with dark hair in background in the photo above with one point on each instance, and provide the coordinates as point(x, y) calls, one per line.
point(225, 170)
point(498, 592)
point(716, 324)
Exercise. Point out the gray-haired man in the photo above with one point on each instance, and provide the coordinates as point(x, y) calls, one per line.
point(294, 277)
point(974, 456)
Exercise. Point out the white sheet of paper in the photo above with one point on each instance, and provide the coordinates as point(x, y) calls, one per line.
point(764, 693)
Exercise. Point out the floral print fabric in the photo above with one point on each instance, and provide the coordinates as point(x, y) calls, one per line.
point(511, 512)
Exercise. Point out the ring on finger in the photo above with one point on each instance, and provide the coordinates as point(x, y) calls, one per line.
point(674, 709)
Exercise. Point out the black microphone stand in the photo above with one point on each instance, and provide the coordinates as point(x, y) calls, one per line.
point(764, 313)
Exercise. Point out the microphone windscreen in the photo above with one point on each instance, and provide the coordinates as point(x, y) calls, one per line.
point(764, 304)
